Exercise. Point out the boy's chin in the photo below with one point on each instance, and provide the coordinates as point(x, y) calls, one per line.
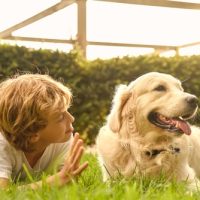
point(68, 136)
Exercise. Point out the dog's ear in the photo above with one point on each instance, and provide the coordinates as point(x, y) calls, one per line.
point(122, 94)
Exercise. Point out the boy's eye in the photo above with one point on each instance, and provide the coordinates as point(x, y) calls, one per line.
point(61, 117)
point(160, 88)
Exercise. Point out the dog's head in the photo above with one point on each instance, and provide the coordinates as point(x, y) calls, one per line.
point(155, 102)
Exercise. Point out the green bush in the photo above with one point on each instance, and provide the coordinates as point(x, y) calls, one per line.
point(93, 82)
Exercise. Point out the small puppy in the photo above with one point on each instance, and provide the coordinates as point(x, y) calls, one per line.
point(147, 131)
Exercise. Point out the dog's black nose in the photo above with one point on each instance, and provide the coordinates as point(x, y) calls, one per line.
point(192, 100)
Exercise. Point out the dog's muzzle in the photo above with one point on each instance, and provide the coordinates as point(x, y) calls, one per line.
point(176, 124)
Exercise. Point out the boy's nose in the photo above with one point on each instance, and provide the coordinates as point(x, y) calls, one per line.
point(71, 117)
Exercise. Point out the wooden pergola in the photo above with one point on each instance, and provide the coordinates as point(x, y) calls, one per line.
point(81, 39)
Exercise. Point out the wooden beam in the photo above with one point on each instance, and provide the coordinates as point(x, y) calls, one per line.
point(160, 47)
point(161, 3)
point(189, 44)
point(81, 34)
point(163, 47)
point(44, 13)
point(31, 39)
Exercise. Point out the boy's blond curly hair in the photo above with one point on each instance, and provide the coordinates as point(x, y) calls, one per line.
point(25, 102)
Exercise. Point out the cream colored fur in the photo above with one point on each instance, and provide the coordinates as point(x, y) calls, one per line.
point(123, 143)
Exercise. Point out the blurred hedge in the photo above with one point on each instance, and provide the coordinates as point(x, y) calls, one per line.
point(93, 82)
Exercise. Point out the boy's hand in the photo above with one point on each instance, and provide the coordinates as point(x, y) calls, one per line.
point(72, 166)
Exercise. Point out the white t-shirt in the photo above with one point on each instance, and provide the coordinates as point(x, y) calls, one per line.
point(12, 161)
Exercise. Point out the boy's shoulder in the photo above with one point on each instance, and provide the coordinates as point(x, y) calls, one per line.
point(53, 149)
point(3, 140)
point(6, 147)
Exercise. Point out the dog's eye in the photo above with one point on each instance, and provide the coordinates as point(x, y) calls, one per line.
point(160, 88)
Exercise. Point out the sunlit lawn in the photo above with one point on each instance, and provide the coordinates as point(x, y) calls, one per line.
point(90, 187)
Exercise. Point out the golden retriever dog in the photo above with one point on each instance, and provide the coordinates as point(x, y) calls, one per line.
point(147, 132)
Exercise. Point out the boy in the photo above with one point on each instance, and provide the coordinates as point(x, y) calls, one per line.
point(36, 131)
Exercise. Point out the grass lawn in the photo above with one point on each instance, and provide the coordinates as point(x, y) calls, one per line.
point(90, 187)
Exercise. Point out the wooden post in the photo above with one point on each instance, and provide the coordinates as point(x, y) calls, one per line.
point(177, 51)
point(81, 35)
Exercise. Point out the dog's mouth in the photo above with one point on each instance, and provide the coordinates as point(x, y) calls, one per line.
point(175, 124)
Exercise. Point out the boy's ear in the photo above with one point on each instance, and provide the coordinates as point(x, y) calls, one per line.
point(34, 138)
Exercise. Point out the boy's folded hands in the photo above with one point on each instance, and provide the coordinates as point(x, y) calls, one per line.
point(72, 166)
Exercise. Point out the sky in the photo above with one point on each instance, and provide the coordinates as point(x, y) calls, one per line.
point(106, 22)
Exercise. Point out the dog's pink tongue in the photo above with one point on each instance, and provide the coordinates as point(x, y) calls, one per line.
point(184, 126)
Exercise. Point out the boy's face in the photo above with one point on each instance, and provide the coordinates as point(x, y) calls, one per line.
point(58, 129)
